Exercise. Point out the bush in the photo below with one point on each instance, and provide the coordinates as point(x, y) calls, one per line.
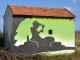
point(1, 40)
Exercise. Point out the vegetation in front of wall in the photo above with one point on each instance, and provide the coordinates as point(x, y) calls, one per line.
point(6, 55)
point(1, 39)
point(1, 34)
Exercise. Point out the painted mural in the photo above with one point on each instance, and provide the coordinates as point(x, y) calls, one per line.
point(35, 35)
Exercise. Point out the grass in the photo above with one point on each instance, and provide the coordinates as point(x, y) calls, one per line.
point(6, 55)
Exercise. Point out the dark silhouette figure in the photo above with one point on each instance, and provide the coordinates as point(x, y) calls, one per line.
point(35, 33)
point(45, 44)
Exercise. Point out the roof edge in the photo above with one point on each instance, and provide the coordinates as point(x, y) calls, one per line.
point(70, 12)
point(40, 16)
point(9, 5)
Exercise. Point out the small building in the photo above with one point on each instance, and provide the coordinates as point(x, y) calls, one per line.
point(29, 29)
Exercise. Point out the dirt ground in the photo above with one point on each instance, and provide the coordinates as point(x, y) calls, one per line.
point(6, 55)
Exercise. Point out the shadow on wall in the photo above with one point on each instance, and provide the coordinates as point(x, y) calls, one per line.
point(38, 44)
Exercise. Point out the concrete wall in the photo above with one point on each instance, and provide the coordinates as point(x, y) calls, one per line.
point(7, 31)
point(55, 34)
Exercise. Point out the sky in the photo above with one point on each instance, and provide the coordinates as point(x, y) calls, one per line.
point(71, 5)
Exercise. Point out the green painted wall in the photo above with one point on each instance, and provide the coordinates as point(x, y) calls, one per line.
point(63, 30)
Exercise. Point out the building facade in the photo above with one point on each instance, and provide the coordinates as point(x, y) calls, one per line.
point(37, 29)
